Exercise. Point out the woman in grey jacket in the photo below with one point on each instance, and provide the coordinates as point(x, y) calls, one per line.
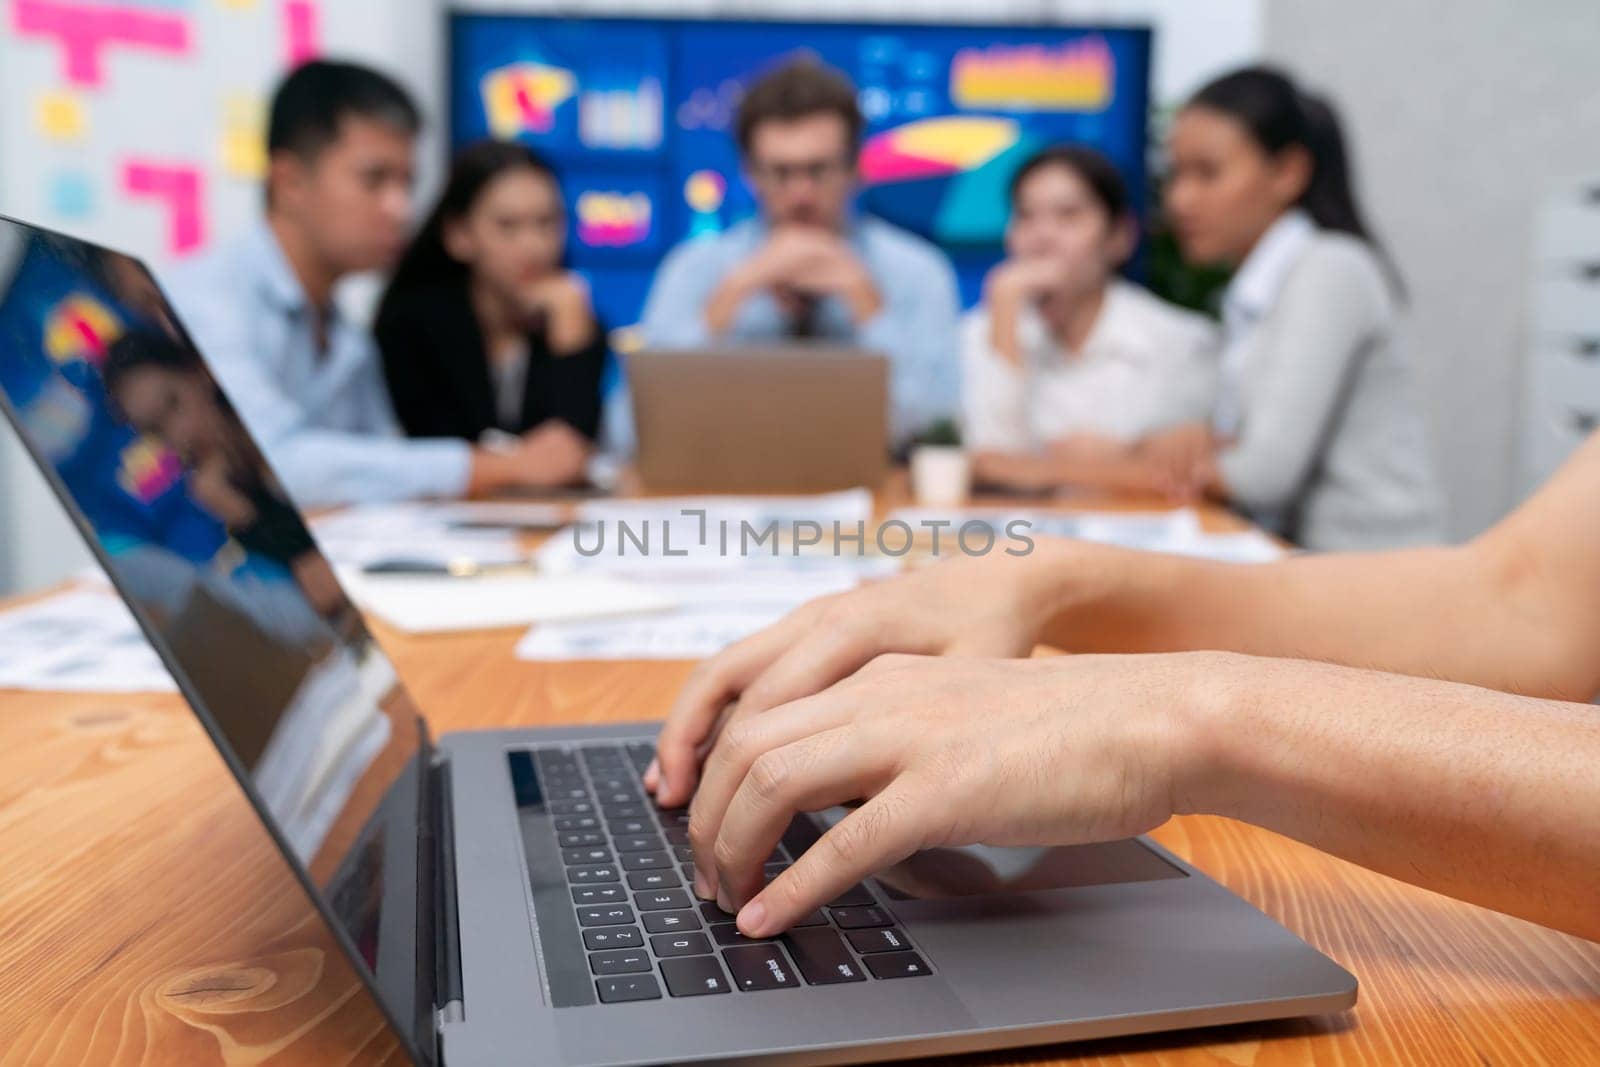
point(1317, 432)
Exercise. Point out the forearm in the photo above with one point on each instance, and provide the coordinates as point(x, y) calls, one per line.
point(725, 302)
point(1464, 613)
point(1484, 796)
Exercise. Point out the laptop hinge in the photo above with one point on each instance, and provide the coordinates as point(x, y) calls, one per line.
point(447, 924)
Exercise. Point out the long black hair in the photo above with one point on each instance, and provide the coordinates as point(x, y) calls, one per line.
point(1278, 114)
point(1097, 172)
point(426, 261)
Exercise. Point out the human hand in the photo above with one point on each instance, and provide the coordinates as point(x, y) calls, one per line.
point(1027, 278)
point(992, 605)
point(1184, 456)
point(564, 303)
point(1009, 287)
point(941, 752)
point(553, 453)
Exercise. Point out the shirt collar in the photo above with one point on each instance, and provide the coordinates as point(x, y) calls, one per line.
point(1110, 324)
point(1256, 283)
point(275, 277)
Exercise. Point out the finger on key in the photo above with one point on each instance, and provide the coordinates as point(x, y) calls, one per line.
point(728, 763)
point(813, 773)
point(879, 834)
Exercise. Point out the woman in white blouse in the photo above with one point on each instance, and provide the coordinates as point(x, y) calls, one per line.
point(1066, 365)
point(1318, 431)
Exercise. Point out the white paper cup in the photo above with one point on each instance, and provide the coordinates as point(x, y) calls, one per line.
point(941, 476)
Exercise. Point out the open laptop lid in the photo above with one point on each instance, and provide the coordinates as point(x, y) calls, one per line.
point(174, 499)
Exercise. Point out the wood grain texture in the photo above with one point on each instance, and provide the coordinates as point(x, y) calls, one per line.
point(145, 917)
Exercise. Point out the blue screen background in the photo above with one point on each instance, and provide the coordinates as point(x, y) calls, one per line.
point(636, 114)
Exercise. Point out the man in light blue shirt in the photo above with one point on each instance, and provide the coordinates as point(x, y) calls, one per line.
point(307, 381)
point(809, 267)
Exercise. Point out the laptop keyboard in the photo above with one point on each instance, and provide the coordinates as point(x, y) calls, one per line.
point(628, 868)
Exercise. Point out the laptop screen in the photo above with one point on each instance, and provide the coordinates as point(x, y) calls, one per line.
point(174, 497)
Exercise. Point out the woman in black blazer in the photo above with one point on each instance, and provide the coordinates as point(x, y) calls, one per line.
point(485, 334)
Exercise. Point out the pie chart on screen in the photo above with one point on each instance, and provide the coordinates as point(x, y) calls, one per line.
point(945, 178)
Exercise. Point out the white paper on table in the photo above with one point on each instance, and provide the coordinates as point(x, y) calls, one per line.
point(692, 633)
point(708, 534)
point(1176, 531)
point(80, 640)
point(416, 532)
point(845, 506)
point(712, 614)
point(437, 604)
point(1132, 529)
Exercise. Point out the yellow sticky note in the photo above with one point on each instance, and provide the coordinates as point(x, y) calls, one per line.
point(61, 116)
point(244, 150)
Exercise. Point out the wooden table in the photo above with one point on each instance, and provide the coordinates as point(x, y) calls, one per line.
point(145, 918)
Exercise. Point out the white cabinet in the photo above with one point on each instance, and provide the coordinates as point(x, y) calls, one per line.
point(1561, 395)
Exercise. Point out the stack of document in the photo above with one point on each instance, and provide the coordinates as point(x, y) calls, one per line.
point(730, 565)
point(80, 640)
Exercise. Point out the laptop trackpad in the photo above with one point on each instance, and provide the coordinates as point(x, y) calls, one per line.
point(987, 870)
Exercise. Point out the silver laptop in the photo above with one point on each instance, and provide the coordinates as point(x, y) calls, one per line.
point(512, 896)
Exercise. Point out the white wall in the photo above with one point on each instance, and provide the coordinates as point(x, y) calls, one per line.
point(1462, 115)
point(172, 110)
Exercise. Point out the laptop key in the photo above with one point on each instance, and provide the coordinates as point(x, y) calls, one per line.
point(668, 922)
point(630, 827)
point(759, 967)
point(576, 822)
point(856, 918)
point(676, 835)
point(816, 918)
point(683, 853)
point(820, 955)
point(728, 934)
point(662, 900)
point(626, 811)
point(896, 965)
point(624, 961)
point(604, 937)
point(645, 861)
point(694, 976)
point(691, 944)
point(887, 939)
point(631, 987)
point(653, 880)
point(598, 894)
point(581, 857)
point(603, 873)
point(714, 914)
point(611, 915)
point(857, 896)
point(569, 807)
point(581, 839)
point(639, 843)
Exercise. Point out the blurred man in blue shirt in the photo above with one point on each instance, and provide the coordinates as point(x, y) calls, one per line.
point(810, 267)
point(307, 381)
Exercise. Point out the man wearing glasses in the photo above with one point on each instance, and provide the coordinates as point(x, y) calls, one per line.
point(810, 267)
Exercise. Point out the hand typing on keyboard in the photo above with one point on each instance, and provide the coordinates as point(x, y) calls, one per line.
point(987, 606)
point(942, 752)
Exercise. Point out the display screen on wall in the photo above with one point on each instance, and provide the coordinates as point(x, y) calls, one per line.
point(637, 116)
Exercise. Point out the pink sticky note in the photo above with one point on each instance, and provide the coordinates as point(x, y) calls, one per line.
point(301, 33)
point(85, 30)
point(181, 189)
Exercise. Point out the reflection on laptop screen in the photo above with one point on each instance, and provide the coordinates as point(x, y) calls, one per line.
point(110, 396)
